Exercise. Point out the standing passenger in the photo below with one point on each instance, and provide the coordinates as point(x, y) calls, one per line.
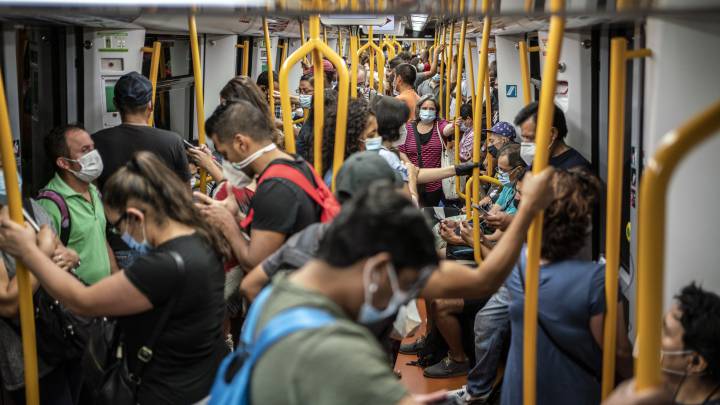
point(74, 203)
point(404, 79)
point(117, 145)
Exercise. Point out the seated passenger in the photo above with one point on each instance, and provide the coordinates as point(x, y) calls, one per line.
point(375, 256)
point(151, 208)
point(280, 207)
point(562, 156)
point(571, 305)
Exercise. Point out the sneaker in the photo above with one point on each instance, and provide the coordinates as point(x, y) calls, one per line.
point(447, 368)
point(414, 347)
point(462, 397)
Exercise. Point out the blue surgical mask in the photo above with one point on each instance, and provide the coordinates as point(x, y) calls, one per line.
point(368, 313)
point(373, 143)
point(140, 247)
point(3, 188)
point(305, 100)
point(504, 178)
point(463, 127)
point(427, 116)
point(436, 78)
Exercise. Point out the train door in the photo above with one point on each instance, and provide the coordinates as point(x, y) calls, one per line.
point(42, 95)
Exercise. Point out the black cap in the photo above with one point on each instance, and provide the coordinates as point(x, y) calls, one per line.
point(360, 170)
point(133, 89)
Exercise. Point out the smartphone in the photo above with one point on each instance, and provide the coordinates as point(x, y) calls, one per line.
point(188, 145)
point(484, 209)
point(30, 221)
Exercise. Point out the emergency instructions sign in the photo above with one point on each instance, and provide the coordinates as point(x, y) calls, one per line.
point(511, 90)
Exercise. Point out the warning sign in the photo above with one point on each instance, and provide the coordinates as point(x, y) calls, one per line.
point(511, 90)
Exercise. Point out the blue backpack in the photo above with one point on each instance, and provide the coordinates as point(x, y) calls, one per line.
point(233, 386)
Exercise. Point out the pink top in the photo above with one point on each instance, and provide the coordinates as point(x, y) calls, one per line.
point(431, 151)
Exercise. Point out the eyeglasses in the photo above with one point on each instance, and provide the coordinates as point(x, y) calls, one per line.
point(115, 226)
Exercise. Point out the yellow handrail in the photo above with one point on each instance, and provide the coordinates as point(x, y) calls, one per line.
point(318, 49)
point(651, 232)
point(477, 119)
point(386, 44)
point(284, 48)
point(199, 99)
point(442, 75)
point(154, 69)
point(616, 131)
point(245, 46)
point(540, 162)
point(27, 312)
point(302, 37)
point(525, 71)
point(448, 71)
point(488, 124)
point(458, 103)
point(381, 61)
point(270, 69)
point(339, 42)
point(324, 35)
point(397, 44)
point(355, 61)
point(471, 77)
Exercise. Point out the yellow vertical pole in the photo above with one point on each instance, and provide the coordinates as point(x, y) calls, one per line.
point(458, 101)
point(477, 117)
point(302, 37)
point(442, 76)
point(199, 100)
point(324, 33)
point(27, 312)
point(651, 232)
point(154, 68)
point(449, 71)
point(413, 47)
point(355, 60)
point(340, 42)
point(540, 162)
point(488, 124)
point(283, 54)
point(246, 58)
point(270, 69)
point(371, 54)
point(471, 76)
point(525, 72)
point(318, 96)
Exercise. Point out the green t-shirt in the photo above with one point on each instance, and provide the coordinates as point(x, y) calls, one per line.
point(87, 230)
point(338, 364)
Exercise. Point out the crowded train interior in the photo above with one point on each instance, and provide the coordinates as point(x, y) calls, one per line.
point(449, 202)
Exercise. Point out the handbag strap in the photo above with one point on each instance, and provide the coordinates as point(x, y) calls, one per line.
point(145, 352)
point(579, 362)
point(420, 187)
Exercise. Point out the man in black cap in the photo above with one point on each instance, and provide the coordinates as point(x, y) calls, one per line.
point(133, 95)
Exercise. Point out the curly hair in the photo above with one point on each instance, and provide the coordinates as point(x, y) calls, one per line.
point(567, 219)
point(700, 320)
point(330, 107)
point(357, 117)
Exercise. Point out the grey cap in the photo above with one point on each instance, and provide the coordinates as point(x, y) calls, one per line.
point(133, 89)
point(362, 169)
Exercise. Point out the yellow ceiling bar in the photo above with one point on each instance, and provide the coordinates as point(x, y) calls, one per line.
point(199, 99)
point(25, 293)
point(319, 49)
point(355, 61)
point(477, 118)
point(448, 72)
point(458, 103)
point(525, 71)
point(270, 69)
point(540, 162)
point(619, 56)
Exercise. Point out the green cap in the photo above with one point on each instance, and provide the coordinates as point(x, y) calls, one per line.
point(362, 169)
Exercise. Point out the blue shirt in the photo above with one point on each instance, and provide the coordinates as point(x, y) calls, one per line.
point(570, 293)
point(506, 200)
point(394, 161)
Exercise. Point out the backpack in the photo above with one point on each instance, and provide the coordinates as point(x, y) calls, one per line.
point(232, 382)
point(65, 222)
point(320, 194)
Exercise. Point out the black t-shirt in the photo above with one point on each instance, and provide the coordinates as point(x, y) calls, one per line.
point(190, 347)
point(283, 207)
point(118, 144)
point(568, 160)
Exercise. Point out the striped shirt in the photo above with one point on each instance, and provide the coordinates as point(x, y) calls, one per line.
point(431, 151)
point(466, 146)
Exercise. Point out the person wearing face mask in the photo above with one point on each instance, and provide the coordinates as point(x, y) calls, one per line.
point(77, 164)
point(181, 272)
point(423, 145)
point(403, 85)
point(501, 134)
point(690, 354)
point(466, 132)
point(375, 256)
point(430, 70)
point(280, 206)
point(116, 145)
point(562, 156)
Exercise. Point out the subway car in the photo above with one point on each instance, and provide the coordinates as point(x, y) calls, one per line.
point(635, 83)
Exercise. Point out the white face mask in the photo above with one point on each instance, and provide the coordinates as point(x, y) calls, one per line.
point(373, 143)
point(403, 136)
point(427, 116)
point(527, 152)
point(91, 166)
point(305, 100)
point(234, 173)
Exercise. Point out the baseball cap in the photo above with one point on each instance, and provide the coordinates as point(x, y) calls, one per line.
point(502, 128)
point(133, 89)
point(360, 170)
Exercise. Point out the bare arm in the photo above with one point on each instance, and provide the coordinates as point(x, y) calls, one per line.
point(261, 245)
point(623, 349)
point(449, 130)
point(428, 175)
point(453, 280)
point(253, 283)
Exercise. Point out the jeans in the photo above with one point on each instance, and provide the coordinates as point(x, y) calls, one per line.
point(125, 258)
point(492, 340)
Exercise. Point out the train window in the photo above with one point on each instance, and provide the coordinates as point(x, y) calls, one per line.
point(175, 58)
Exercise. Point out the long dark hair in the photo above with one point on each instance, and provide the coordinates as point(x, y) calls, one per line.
point(146, 178)
point(357, 117)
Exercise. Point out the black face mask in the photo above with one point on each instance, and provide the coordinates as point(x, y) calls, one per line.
point(493, 151)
